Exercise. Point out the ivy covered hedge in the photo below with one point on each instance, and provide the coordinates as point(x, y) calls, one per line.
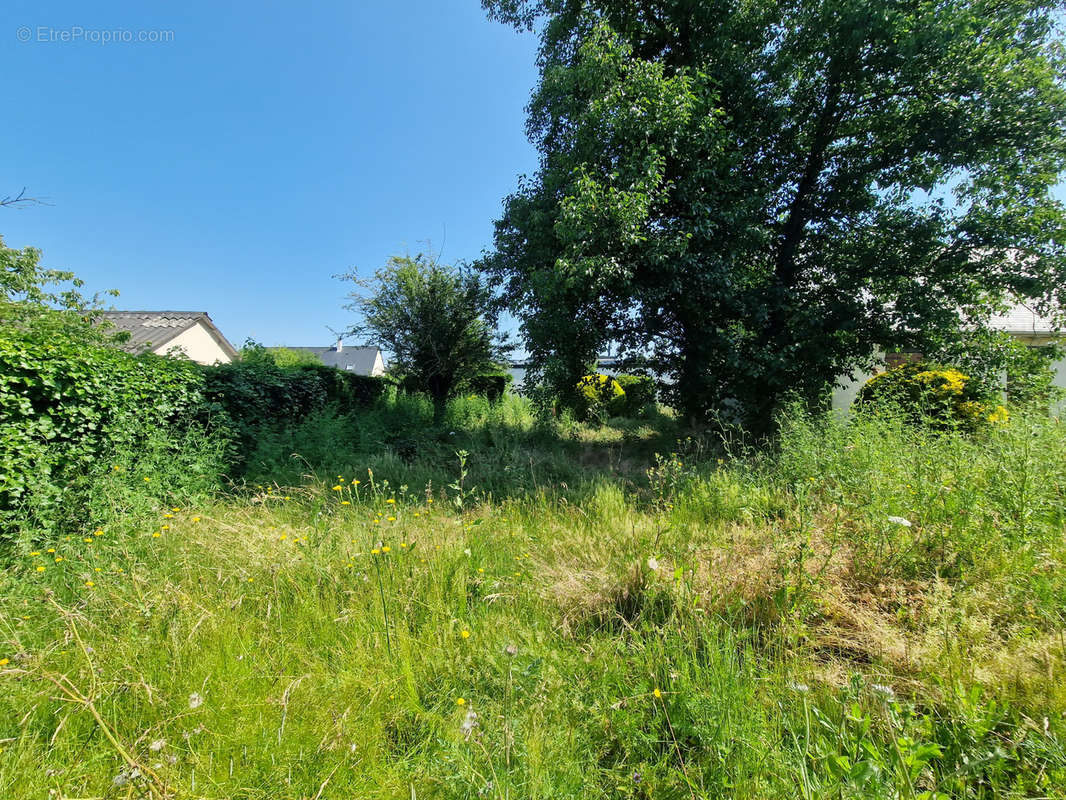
point(64, 403)
point(71, 411)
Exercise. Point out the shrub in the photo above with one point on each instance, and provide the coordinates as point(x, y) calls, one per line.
point(640, 393)
point(599, 397)
point(490, 387)
point(939, 394)
point(64, 405)
point(255, 394)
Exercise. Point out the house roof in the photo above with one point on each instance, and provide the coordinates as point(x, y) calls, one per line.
point(354, 359)
point(1022, 320)
point(150, 330)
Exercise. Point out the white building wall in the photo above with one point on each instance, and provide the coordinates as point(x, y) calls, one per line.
point(198, 344)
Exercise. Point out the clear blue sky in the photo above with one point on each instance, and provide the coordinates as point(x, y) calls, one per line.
point(267, 146)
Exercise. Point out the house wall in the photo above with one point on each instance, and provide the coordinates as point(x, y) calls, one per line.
point(379, 365)
point(848, 386)
point(198, 344)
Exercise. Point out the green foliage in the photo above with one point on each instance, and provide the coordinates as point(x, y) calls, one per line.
point(994, 356)
point(433, 319)
point(640, 393)
point(926, 392)
point(599, 397)
point(255, 394)
point(491, 387)
point(287, 357)
point(64, 405)
point(769, 632)
point(760, 194)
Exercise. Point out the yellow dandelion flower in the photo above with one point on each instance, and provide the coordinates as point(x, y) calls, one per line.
point(58, 559)
point(385, 549)
point(460, 701)
point(88, 540)
point(50, 550)
point(391, 501)
point(165, 527)
point(375, 552)
point(146, 480)
point(40, 569)
point(429, 499)
point(657, 693)
point(465, 634)
point(479, 569)
point(346, 502)
point(4, 662)
point(115, 467)
point(251, 580)
point(35, 553)
point(283, 537)
point(195, 519)
point(287, 497)
point(403, 545)
point(392, 519)
point(156, 535)
point(168, 516)
point(175, 508)
point(337, 488)
point(356, 481)
point(98, 532)
point(89, 584)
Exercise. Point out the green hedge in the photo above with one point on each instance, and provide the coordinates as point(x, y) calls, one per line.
point(253, 395)
point(63, 403)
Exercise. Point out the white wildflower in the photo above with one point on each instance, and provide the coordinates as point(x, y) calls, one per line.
point(653, 563)
point(886, 692)
point(906, 523)
point(195, 700)
point(469, 723)
point(157, 745)
point(802, 688)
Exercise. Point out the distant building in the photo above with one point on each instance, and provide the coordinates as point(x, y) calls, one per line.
point(1021, 321)
point(191, 333)
point(360, 360)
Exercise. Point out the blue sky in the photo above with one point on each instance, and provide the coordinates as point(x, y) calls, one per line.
point(266, 147)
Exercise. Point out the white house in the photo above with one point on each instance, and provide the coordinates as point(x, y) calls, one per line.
point(191, 333)
point(1020, 321)
point(360, 360)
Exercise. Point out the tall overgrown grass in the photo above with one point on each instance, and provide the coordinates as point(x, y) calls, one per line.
point(867, 609)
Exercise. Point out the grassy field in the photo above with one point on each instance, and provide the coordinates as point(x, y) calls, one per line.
point(635, 611)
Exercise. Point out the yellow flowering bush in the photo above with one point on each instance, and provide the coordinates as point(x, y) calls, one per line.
point(599, 397)
point(929, 392)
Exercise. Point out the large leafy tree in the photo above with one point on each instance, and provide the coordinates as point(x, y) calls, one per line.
point(760, 193)
point(434, 320)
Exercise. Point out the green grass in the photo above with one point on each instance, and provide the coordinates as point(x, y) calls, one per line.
point(738, 623)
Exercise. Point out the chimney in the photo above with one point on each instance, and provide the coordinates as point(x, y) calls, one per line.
point(340, 344)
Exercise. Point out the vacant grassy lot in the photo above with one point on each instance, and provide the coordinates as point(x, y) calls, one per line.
point(868, 610)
